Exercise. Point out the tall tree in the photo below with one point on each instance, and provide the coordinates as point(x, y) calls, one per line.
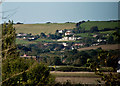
point(8, 41)
point(18, 71)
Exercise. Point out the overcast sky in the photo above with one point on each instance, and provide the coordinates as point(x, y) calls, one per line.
point(41, 12)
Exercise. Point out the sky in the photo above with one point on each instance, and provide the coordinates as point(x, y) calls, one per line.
point(59, 12)
point(60, 0)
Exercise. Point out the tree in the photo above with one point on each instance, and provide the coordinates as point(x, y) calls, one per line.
point(117, 36)
point(42, 35)
point(8, 41)
point(110, 39)
point(94, 29)
point(57, 61)
point(107, 59)
point(18, 71)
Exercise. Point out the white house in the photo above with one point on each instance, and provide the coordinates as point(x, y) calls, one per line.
point(60, 31)
point(68, 33)
point(100, 40)
point(21, 34)
point(65, 44)
point(118, 69)
point(67, 39)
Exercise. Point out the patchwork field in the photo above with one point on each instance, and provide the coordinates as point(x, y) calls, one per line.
point(52, 27)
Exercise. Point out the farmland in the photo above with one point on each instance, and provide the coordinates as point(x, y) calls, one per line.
point(76, 77)
point(73, 53)
point(45, 28)
point(52, 27)
point(100, 24)
point(105, 47)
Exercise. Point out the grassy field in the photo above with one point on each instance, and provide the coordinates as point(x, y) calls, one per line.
point(85, 34)
point(21, 41)
point(46, 28)
point(109, 32)
point(51, 28)
point(45, 40)
point(100, 24)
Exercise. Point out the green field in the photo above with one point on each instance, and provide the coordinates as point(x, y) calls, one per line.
point(21, 41)
point(85, 34)
point(46, 28)
point(100, 24)
point(45, 40)
point(51, 28)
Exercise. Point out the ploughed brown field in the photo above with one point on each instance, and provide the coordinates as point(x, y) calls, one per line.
point(104, 47)
point(76, 77)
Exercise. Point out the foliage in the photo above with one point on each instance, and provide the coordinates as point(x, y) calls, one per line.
point(76, 58)
point(8, 41)
point(107, 59)
point(57, 61)
point(117, 36)
point(94, 29)
point(18, 71)
point(25, 72)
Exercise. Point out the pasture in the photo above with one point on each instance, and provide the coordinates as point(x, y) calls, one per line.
point(100, 24)
point(52, 27)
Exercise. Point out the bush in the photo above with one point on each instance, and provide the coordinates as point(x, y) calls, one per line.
point(25, 72)
point(94, 29)
point(78, 69)
point(73, 69)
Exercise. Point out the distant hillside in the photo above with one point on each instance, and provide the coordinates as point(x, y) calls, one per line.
point(104, 47)
point(46, 28)
point(100, 24)
point(52, 27)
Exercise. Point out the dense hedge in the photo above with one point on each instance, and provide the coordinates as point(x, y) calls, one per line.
point(72, 69)
point(78, 69)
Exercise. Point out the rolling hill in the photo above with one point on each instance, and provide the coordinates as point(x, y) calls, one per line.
point(100, 24)
point(52, 27)
point(45, 28)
